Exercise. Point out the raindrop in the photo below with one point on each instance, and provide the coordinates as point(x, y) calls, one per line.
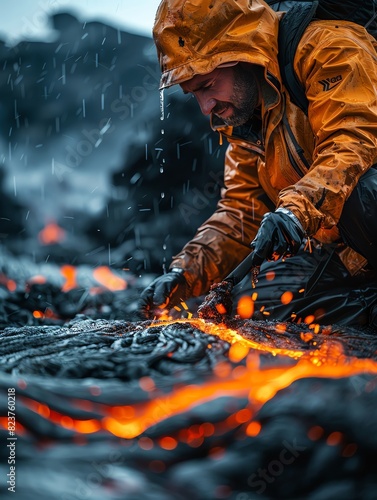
point(135, 178)
point(162, 195)
point(106, 127)
point(161, 170)
point(162, 110)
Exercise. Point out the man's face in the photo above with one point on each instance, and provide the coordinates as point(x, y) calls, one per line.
point(230, 93)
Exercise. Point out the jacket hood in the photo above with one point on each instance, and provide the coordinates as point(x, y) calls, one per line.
point(196, 36)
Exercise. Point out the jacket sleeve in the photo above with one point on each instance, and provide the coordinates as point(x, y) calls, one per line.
point(338, 65)
point(223, 240)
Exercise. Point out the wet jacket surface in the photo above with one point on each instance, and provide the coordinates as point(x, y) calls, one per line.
point(307, 164)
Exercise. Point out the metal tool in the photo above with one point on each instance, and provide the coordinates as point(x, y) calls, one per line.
point(245, 266)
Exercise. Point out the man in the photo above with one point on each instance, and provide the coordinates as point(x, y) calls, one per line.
point(296, 185)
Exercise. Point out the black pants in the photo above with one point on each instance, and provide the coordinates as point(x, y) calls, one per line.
point(319, 283)
point(358, 222)
point(335, 297)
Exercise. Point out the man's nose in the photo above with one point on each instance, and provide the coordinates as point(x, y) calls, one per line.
point(206, 104)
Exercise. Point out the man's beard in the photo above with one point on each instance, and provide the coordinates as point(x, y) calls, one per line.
point(244, 100)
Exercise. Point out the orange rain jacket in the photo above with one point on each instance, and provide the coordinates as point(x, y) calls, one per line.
point(338, 137)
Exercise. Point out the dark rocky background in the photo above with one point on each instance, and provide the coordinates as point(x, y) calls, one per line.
point(84, 146)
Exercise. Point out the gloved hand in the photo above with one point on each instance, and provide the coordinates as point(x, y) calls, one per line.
point(279, 235)
point(164, 292)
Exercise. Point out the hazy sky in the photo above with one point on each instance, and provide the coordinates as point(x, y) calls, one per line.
point(27, 19)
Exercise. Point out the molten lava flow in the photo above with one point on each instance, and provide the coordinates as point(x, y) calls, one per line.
point(260, 385)
point(11, 285)
point(69, 273)
point(82, 426)
point(247, 381)
point(232, 336)
point(51, 234)
point(37, 279)
point(107, 278)
point(47, 313)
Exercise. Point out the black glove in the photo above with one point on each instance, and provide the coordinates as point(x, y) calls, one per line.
point(279, 235)
point(164, 292)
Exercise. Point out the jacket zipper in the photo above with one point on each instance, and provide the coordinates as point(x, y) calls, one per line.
point(295, 152)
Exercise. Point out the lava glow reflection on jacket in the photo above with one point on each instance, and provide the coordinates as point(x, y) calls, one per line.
point(335, 62)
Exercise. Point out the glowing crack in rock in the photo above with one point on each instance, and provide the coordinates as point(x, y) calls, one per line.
point(248, 381)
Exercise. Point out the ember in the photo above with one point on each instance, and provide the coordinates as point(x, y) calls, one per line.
point(217, 303)
point(111, 281)
point(51, 234)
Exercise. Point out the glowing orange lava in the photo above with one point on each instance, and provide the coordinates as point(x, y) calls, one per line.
point(69, 273)
point(10, 284)
point(248, 381)
point(51, 234)
point(107, 278)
